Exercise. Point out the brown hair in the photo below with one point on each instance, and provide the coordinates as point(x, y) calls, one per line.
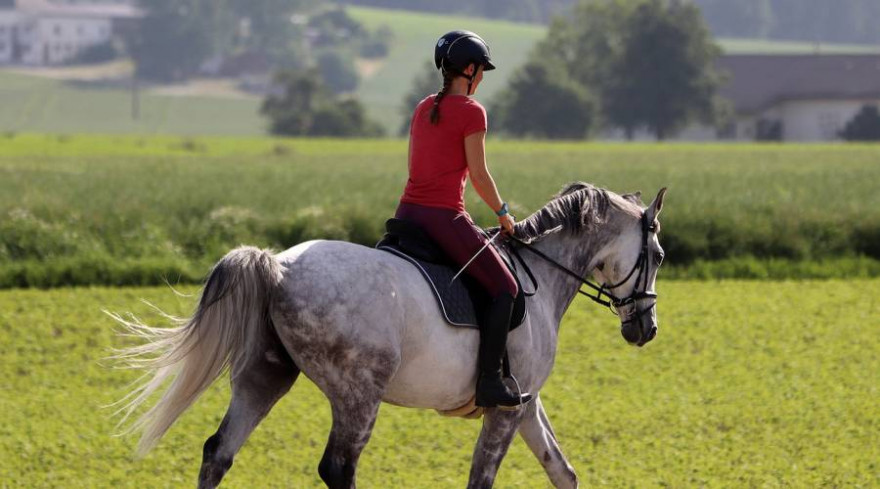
point(447, 82)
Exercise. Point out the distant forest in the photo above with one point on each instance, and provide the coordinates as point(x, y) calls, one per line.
point(838, 21)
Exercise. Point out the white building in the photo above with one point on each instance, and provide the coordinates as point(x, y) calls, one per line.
point(41, 33)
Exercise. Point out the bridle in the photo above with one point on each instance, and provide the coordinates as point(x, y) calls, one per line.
point(613, 302)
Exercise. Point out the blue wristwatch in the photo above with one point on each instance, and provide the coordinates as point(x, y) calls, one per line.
point(504, 210)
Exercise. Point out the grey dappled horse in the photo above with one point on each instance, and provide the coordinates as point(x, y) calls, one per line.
point(364, 326)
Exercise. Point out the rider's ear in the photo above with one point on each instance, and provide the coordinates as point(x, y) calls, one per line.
point(654, 209)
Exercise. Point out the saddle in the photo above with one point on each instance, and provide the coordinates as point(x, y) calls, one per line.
point(463, 301)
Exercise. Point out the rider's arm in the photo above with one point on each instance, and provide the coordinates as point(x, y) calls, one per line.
point(475, 152)
point(484, 184)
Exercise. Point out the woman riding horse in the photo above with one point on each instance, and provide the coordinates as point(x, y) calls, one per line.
point(443, 152)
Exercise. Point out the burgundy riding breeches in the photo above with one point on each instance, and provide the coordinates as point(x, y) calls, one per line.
point(460, 238)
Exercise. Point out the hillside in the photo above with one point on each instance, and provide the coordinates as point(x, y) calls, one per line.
point(415, 35)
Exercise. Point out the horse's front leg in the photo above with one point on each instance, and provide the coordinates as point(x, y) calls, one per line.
point(499, 427)
point(538, 435)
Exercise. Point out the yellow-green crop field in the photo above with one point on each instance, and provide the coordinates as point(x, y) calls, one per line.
point(764, 384)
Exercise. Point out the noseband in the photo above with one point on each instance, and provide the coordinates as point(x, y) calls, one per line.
point(613, 302)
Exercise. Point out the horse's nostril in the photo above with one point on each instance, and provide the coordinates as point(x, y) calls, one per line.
point(631, 333)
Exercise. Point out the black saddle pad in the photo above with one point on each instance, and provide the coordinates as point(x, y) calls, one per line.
point(462, 301)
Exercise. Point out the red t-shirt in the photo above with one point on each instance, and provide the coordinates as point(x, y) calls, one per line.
point(438, 166)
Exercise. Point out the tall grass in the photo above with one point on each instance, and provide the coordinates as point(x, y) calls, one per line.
point(134, 210)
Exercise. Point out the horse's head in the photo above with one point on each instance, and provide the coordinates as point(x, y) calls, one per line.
point(627, 266)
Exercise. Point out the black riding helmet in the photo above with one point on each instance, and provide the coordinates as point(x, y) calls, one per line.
point(456, 50)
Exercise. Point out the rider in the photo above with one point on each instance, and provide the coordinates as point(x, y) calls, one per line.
point(447, 143)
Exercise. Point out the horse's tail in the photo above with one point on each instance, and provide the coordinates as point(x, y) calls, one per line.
point(230, 325)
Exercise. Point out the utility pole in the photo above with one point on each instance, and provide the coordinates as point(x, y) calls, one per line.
point(135, 97)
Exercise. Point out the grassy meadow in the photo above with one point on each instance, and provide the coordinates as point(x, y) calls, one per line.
point(129, 210)
point(37, 104)
point(748, 384)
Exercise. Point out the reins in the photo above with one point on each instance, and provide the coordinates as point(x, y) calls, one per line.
point(612, 301)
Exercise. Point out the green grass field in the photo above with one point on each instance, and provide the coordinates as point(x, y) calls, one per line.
point(37, 104)
point(748, 384)
point(119, 210)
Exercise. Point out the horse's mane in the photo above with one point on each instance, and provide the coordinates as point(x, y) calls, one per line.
point(577, 208)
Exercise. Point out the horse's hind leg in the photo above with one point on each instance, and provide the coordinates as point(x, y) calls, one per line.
point(254, 391)
point(538, 435)
point(353, 421)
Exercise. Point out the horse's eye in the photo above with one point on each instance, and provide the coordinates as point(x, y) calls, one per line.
point(600, 266)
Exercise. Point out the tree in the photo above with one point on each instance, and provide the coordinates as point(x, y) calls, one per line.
point(338, 70)
point(176, 36)
point(172, 39)
point(650, 62)
point(865, 126)
point(303, 106)
point(426, 82)
point(542, 101)
point(664, 77)
point(269, 27)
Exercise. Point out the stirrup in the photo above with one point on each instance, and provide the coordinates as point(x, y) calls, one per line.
point(519, 398)
point(524, 397)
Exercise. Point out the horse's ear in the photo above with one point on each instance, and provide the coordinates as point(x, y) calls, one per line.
point(656, 206)
point(635, 198)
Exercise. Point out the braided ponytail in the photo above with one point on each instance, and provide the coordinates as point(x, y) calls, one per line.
point(435, 110)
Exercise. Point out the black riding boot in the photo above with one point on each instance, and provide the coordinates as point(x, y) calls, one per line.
point(491, 390)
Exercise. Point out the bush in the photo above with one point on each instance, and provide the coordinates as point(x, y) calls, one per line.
point(97, 53)
point(865, 126)
point(303, 107)
point(377, 44)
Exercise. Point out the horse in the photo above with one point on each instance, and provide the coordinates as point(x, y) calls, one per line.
point(362, 324)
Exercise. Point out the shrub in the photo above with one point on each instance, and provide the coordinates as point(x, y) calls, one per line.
point(303, 107)
point(865, 126)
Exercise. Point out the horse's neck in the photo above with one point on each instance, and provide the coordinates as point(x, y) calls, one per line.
point(556, 287)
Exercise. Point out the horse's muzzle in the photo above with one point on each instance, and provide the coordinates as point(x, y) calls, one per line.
point(640, 328)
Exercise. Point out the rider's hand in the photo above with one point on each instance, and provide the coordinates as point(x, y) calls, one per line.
point(506, 221)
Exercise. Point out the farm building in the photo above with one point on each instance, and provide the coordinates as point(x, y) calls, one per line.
point(793, 97)
point(42, 33)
